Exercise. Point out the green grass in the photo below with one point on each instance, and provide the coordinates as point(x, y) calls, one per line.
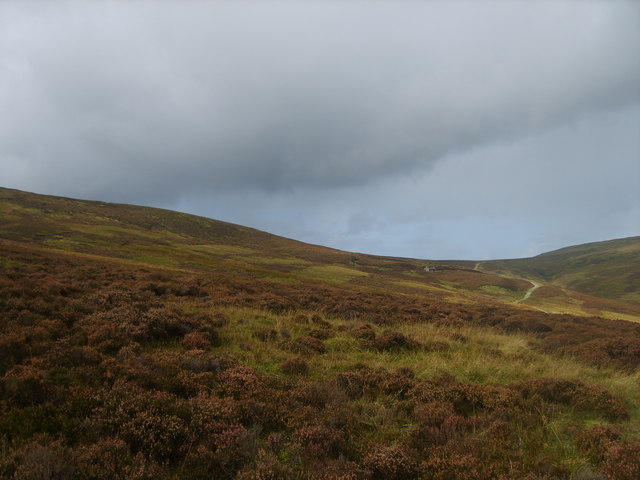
point(608, 269)
point(157, 260)
point(221, 249)
point(331, 273)
point(485, 356)
point(500, 292)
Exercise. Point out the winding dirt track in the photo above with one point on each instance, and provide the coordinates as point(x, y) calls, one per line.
point(530, 291)
point(535, 285)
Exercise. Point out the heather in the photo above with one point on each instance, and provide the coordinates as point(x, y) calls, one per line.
point(139, 346)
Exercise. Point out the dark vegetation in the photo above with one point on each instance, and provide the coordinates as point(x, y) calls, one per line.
point(118, 370)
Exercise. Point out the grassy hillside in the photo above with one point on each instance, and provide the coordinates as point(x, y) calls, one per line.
point(143, 235)
point(142, 343)
point(607, 269)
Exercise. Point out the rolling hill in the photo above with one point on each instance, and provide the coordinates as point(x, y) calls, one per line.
point(607, 269)
point(142, 343)
point(187, 242)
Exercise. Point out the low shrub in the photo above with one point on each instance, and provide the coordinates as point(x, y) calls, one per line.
point(241, 381)
point(584, 397)
point(450, 465)
point(147, 421)
point(363, 331)
point(197, 341)
point(398, 382)
point(318, 320)
point(304, 345)
point(226, 450)
point(338, 469)
point(267, 467)
point(317, 394)
point(622, 462)
point(318, 441)
point(111, 459)
point(351, 383)
point(295, 365)
point(466, 398)
point(391, 340)
point(436, 424)
point(24, 386)
point(42, 459)
point(321, 333)
point(595, 441)
point(388, 462)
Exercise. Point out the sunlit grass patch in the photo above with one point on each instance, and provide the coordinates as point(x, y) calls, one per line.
point(620, 316)
point(330, 273)
point(277, 260)
point(470, 354)
point(417, 285)
point(157, 260)
point(220, 249)
point(501, 292)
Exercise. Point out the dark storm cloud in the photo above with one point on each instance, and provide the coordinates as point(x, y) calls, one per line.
point(148, 100)
point(375, 126)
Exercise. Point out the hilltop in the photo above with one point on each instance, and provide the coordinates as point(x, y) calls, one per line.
point(144, 343)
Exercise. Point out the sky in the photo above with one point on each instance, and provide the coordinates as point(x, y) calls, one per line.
point(436, 130)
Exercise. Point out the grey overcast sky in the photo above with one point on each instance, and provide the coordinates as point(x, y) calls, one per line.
point(428, 129)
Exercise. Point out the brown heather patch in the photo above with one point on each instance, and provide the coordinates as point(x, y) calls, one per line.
point(595, 441)
point(391, 340)
point(339, 469)
point(390, 463)
point(363, 331)
point(447, 464)
point(583, 397)
point(304, 345)
point(197, 341)
point(321, 333)
point(295, 365)
point(622, 462)
point(318, 441)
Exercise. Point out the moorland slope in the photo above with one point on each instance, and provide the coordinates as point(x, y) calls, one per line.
point(143, 343)
point(606, 269)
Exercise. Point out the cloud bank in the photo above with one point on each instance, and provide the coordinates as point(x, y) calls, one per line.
point(173, 103)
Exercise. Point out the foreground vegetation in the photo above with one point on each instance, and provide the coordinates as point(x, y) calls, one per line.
point(119, 363)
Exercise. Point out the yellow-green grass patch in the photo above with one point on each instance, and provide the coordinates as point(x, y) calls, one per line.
point(330, 273)
point(219, 249)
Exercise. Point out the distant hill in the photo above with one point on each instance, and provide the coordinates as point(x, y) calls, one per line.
point(608, 269)
point(191, 243)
